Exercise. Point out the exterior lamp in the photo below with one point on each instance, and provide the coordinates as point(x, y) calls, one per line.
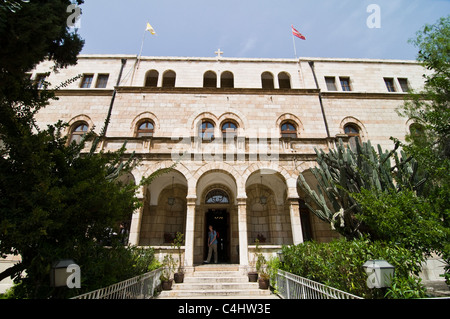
point(379, 273)
point(280, 256)
point(59, 274)
point(262, 198)
point(171, 200)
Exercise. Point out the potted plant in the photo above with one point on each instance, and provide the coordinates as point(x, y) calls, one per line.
point(253, 275)
point(166, 275)
point(261, 268)
point(177, 243)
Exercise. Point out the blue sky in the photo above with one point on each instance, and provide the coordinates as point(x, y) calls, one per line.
point(256, 28)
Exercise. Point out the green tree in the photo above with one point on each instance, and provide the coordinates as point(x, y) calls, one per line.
point(429, 108)
point(56, 201)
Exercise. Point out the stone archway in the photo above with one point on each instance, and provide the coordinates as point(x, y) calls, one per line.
point(268, 218)
point(216, 182)
point(164, 211)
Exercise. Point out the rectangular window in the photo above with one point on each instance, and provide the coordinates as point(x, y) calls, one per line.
point(39, 80)
point(389, 84)
point(331, 83)
point(345, 84)
point(87, 81)
point(404, 84)
point(102, 81)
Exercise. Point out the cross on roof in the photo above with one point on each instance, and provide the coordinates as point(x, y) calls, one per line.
point(218, 53)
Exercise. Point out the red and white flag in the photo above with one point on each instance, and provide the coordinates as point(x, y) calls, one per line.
point(297, 34)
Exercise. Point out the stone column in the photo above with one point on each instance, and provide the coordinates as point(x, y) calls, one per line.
point(243, 236)
point(136, 220)
point(296, 224)
point(189, 236)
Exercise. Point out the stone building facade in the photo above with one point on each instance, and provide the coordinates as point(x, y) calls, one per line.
point(240, 132)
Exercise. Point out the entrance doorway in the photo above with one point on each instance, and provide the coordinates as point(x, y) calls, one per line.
point(219, 219)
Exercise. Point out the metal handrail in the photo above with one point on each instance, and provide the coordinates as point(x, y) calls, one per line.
point(139, 287)
point(290, 286)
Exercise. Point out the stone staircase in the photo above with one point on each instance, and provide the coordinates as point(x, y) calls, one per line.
point(216, 282)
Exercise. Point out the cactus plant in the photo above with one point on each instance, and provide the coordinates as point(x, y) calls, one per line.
point(343, 171)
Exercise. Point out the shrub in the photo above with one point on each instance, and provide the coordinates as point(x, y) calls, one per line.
point(339, 264)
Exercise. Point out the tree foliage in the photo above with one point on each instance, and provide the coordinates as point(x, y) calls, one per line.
point(429, 109)
point(56, 200)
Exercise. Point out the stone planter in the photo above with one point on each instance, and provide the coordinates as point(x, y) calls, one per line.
point(263, 283)
point(178, 277)
point(252, 276)
point(167, 284)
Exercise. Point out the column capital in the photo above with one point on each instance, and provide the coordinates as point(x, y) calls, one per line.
point(241, 200)
point(191, 199)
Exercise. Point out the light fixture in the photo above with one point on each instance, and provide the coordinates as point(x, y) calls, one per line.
point(171, 200)
point(280, 256)
point(379, 273)
point(262, 198)
point(59, 274)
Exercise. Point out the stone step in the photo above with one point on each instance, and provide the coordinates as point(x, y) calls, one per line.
point(215, 274)
point(215, 286)
point(253, 293)
point(217, 267)
point(216, 282)
point(217, 279)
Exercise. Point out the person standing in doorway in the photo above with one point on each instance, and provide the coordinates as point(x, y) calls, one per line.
point(212, 245)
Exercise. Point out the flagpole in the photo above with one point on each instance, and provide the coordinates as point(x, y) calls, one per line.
point(293, 41)
point(142, 47)
point(138, 60)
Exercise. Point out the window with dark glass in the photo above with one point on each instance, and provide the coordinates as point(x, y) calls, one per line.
point(227, 80)
point(416, 130)
point(267, 81)
point(331, 83)
point(40, 79)
point(102, 81)
point(389, 84)
point(288, 129)
point(206, 130)
point(284, 80)
point(210, 80)
point(169, 78)
point(345, 84)
point(353, 132)
point(404, 84)
point(86, 82)
point(145, 129)
point(151, 79)
point(229, 129)
point(217, 196)
point(79, 131)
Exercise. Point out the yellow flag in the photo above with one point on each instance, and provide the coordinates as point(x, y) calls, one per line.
point(150, 29)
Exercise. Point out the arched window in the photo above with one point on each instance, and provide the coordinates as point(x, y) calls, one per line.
point(151, 78)
point(145, 128)
point(206, 131)
point(78, 132)
point(229, 129)
point(267, 80)
point(284, 80)
point(210, 80)
point(288, 129)
point(227, 80)
point(416, 130)
point(217, 196)
point(169, 78)
point(354, 133)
